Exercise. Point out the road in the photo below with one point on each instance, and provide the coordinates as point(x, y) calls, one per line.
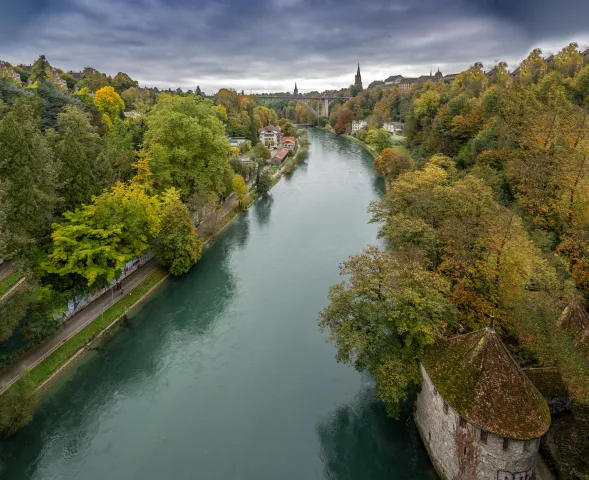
point(34, 356)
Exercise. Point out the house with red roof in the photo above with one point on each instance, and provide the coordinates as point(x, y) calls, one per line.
point(288, 143)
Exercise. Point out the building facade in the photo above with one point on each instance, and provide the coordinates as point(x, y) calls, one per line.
point(288, 143)
point(358, 125)
point(7, 71)
point(478, 414)
point(393, 127)
point(270, 135)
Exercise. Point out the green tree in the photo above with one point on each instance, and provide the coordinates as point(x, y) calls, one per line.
point(264, 182)
point(121, 81)
point(186, 145)
point(18, 405)
point(178, 246)
point(28, 181)
point(382, 317)
point(76, 149)
point(378, 139)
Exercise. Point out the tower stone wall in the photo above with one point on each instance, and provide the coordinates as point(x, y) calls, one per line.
point(461, 450)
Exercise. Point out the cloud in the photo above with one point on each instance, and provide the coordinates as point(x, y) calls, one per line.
point(268, 45)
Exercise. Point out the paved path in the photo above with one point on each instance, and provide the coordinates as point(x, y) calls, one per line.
point(5, 269)
point(73, 326)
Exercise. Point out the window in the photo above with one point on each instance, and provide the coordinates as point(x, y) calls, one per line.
point(462, 422)
point(445, 407)
point(435, 391)
point(483, 437)
point(506, 444)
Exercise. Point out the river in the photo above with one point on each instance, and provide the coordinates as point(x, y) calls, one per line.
point(223, 373)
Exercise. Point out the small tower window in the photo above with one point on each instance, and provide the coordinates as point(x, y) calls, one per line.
point(435, 391)
point(506, 444)
point(429, 436)
point(462, 422)
point(483, 437)
point(445, 407)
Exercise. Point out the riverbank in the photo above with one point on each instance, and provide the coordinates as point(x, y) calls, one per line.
point(366, 147)
point(225, 354)
point(62, 352)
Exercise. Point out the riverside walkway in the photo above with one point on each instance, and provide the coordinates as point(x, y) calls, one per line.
point(80, 320)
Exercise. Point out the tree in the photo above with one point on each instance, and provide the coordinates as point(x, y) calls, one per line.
point(241, 190)
point(382, 317)
point(260, 154)
point(390, 163)
point(178, 246)
point(121, 81)
point(378, 139)
point(186, 144)
point(28, 181)
point(343, 123)
point(264, 182)
point(18, 405)
point(93, 79)
point(95, 242)
point(40, 69)
point(77, 147)
point(533, 67)
point(109, 103)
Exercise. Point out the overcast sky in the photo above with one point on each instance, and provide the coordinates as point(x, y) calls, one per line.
point(259, 45)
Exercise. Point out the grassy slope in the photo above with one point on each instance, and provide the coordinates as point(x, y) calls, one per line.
point(8, 282)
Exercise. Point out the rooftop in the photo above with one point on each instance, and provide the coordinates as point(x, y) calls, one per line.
point(477, 376)
point(288, 140)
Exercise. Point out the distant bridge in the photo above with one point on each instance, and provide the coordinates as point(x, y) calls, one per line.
point(305, 100)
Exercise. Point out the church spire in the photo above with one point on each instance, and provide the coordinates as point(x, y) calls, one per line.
point(296, 90)
point(358, 79)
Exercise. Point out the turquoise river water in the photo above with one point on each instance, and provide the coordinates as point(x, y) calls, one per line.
point(224, 373)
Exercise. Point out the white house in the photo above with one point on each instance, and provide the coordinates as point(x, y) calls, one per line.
point(270, 135)
point(393, 127)
point(7, 71)
point(358, 125)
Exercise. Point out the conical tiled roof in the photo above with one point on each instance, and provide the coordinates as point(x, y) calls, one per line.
point(477, 376)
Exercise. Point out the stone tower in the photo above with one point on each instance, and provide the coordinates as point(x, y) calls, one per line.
point(478, 414)
point(296, 90)
point(358, 79)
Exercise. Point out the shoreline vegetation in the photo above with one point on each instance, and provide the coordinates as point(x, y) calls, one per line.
point(485, 223)
point(41, 375)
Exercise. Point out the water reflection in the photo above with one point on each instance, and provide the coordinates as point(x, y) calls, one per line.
point(358, 440)
point(262, 209)
point(130, 366)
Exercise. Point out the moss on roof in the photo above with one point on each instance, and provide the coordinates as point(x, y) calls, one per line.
point(477, 376)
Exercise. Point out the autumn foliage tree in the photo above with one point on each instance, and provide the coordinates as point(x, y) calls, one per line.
point(390, 163)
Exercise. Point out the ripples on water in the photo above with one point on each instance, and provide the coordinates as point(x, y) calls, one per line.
point(224, 374)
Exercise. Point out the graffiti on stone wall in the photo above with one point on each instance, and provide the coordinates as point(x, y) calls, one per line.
point(527, 475)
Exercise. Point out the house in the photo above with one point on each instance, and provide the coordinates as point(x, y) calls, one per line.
point(237, 141)
point(358, 125)
point(270, 135)
point(280, 156)
point(7, 71)
point(288, 143)
point(405, 83)
point(395, 128)
point(478, 413)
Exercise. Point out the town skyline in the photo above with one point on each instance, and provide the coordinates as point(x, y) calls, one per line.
point(181, 44)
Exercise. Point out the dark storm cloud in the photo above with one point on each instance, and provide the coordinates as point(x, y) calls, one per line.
point(267, 45)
